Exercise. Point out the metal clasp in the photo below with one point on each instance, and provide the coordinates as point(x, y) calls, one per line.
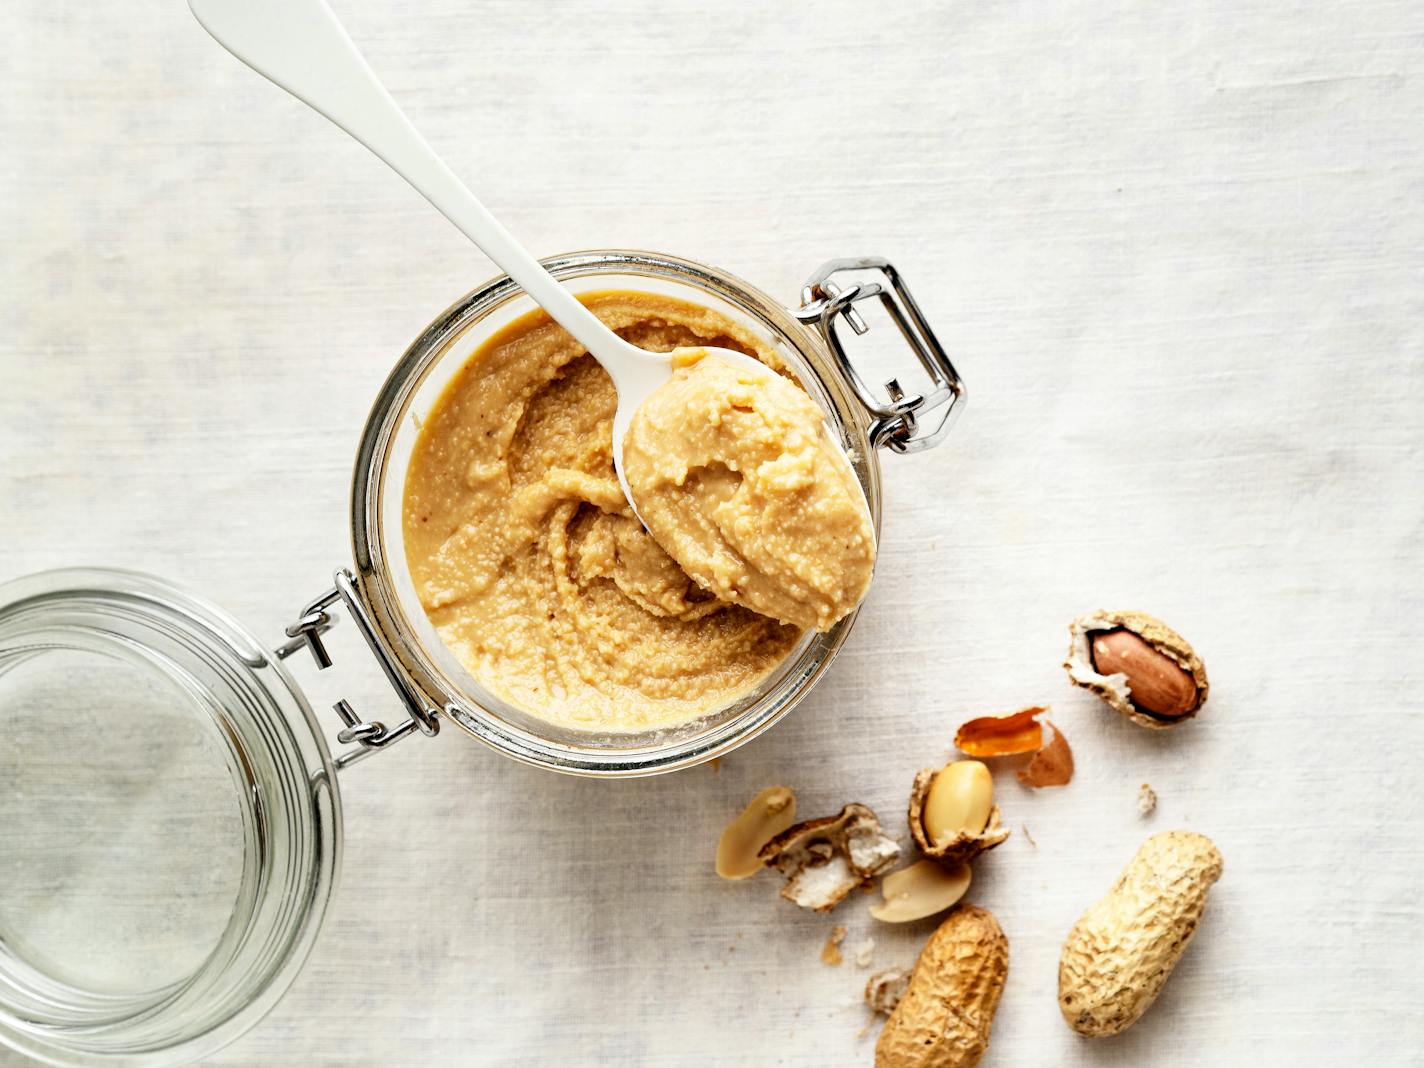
point(307, 632)
point(898, 420)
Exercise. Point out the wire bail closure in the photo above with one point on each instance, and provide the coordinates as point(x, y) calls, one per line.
point(898, 420)
point(307, 632)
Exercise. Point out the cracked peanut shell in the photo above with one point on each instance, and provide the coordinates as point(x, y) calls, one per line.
point(825, 859)
point(884, 989)
point(962, 848)
point(1115, 688)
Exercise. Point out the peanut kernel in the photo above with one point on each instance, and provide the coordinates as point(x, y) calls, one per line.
point(959, 801)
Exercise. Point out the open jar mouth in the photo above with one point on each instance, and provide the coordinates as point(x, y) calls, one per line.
point(409, 393)
point(172, 827)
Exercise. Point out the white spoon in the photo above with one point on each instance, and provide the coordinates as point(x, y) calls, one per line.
point(302, 47)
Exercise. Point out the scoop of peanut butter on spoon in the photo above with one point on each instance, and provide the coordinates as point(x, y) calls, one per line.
point(735, 476)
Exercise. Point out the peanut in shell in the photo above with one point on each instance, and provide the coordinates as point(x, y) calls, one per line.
point(1121, 952)
point(1116, 687)
point(963, 847)
point(944, 1018)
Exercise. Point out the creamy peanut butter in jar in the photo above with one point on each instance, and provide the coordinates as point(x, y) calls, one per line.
point(546, 587)
point(503, 582)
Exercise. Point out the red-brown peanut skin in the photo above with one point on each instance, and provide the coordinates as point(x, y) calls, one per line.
point(1158, 685)
point(1120, 953)
point(943, 1020)
point(1082, 670)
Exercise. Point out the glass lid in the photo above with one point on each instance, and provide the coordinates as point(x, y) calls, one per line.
point(170, 823)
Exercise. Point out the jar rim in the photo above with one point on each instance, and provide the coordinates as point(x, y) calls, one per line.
point(507, 730)
point(289, 803)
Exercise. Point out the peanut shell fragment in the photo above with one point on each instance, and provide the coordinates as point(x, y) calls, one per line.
point(825, 859)
point(1146, 799)
point(1052, 765)
point(945, 1016)
point(769, 813)
point(1122, 950)
point(884, 989)
point(996, 736)
point(863, 952)
point(1137, 664)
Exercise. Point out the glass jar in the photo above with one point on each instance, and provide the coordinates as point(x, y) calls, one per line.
point(172, 823)
point(438, 686)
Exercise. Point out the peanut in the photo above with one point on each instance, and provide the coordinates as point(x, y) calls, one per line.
point(769, 813)
point(923, 889)
point(1155, 682)
point(960, 796)
point(1137, 664)
point(959, 801)
point(1120, 953)
point(944, 1018)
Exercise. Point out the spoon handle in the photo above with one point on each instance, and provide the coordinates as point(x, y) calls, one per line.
point(302, 47)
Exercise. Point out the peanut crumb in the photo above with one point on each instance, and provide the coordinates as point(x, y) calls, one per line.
point(1029, 837)
point(863, 952)
point(1146, 799)
point(831, 951)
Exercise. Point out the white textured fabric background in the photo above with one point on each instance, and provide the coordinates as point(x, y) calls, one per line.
point(1178, 253)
